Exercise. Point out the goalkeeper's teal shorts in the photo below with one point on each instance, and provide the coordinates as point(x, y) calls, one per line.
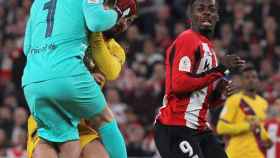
point(58, 105)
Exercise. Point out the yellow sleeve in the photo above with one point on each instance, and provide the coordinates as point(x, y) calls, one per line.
point(226, 124)
point(264, 133)
point(264, 108)
point(108, 56)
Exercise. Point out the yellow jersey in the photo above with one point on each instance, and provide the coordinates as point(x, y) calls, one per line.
point(234, 124)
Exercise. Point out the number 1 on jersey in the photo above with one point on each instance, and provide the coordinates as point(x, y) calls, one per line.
point(50, 6)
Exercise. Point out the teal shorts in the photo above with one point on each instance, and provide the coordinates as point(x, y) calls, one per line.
point(58, 105)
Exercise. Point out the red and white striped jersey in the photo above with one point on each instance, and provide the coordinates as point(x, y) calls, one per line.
point(273, 129)
point(191, 70)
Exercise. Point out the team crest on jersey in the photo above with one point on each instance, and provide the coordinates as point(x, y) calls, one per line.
point(93, 1)
point(185, 64)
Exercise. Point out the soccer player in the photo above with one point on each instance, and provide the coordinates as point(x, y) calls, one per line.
point(242, 120)
point(192, 73)
point(114, 54)
point(57, 85)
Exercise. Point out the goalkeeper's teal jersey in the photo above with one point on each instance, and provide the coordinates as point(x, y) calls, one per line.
point(56, 37)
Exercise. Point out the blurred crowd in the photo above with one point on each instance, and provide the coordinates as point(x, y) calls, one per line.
point(249, 28)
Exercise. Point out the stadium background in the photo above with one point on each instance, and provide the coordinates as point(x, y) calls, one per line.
point(249, 28)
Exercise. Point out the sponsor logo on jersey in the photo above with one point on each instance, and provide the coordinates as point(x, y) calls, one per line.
point(93, 1)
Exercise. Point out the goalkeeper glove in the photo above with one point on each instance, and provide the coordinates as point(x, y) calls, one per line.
point(126, 8)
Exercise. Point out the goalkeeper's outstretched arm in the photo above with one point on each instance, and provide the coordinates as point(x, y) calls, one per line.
point(98, 18)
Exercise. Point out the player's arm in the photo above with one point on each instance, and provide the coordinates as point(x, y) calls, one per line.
point(264, 133)
point(226, 124)
point(27, 38)
point(186, 57)
point(266, 137)
point(108, 56)
point(267, 142)
point(222, 88)
point(98, 18)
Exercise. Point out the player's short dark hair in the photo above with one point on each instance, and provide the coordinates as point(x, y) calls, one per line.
point(192, 2)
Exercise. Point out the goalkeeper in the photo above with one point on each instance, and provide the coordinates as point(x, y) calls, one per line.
point(58, 88)
point(108, 57)
point(113, 55)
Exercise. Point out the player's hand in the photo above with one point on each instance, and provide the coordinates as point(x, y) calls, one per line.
point(268, 144)
point(99, 78)
point(224, 87)
point(126, 7)
point(230, 88)
point(254, 124)
point(233, 62)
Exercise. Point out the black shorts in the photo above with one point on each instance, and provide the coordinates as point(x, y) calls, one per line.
point(184, 142)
